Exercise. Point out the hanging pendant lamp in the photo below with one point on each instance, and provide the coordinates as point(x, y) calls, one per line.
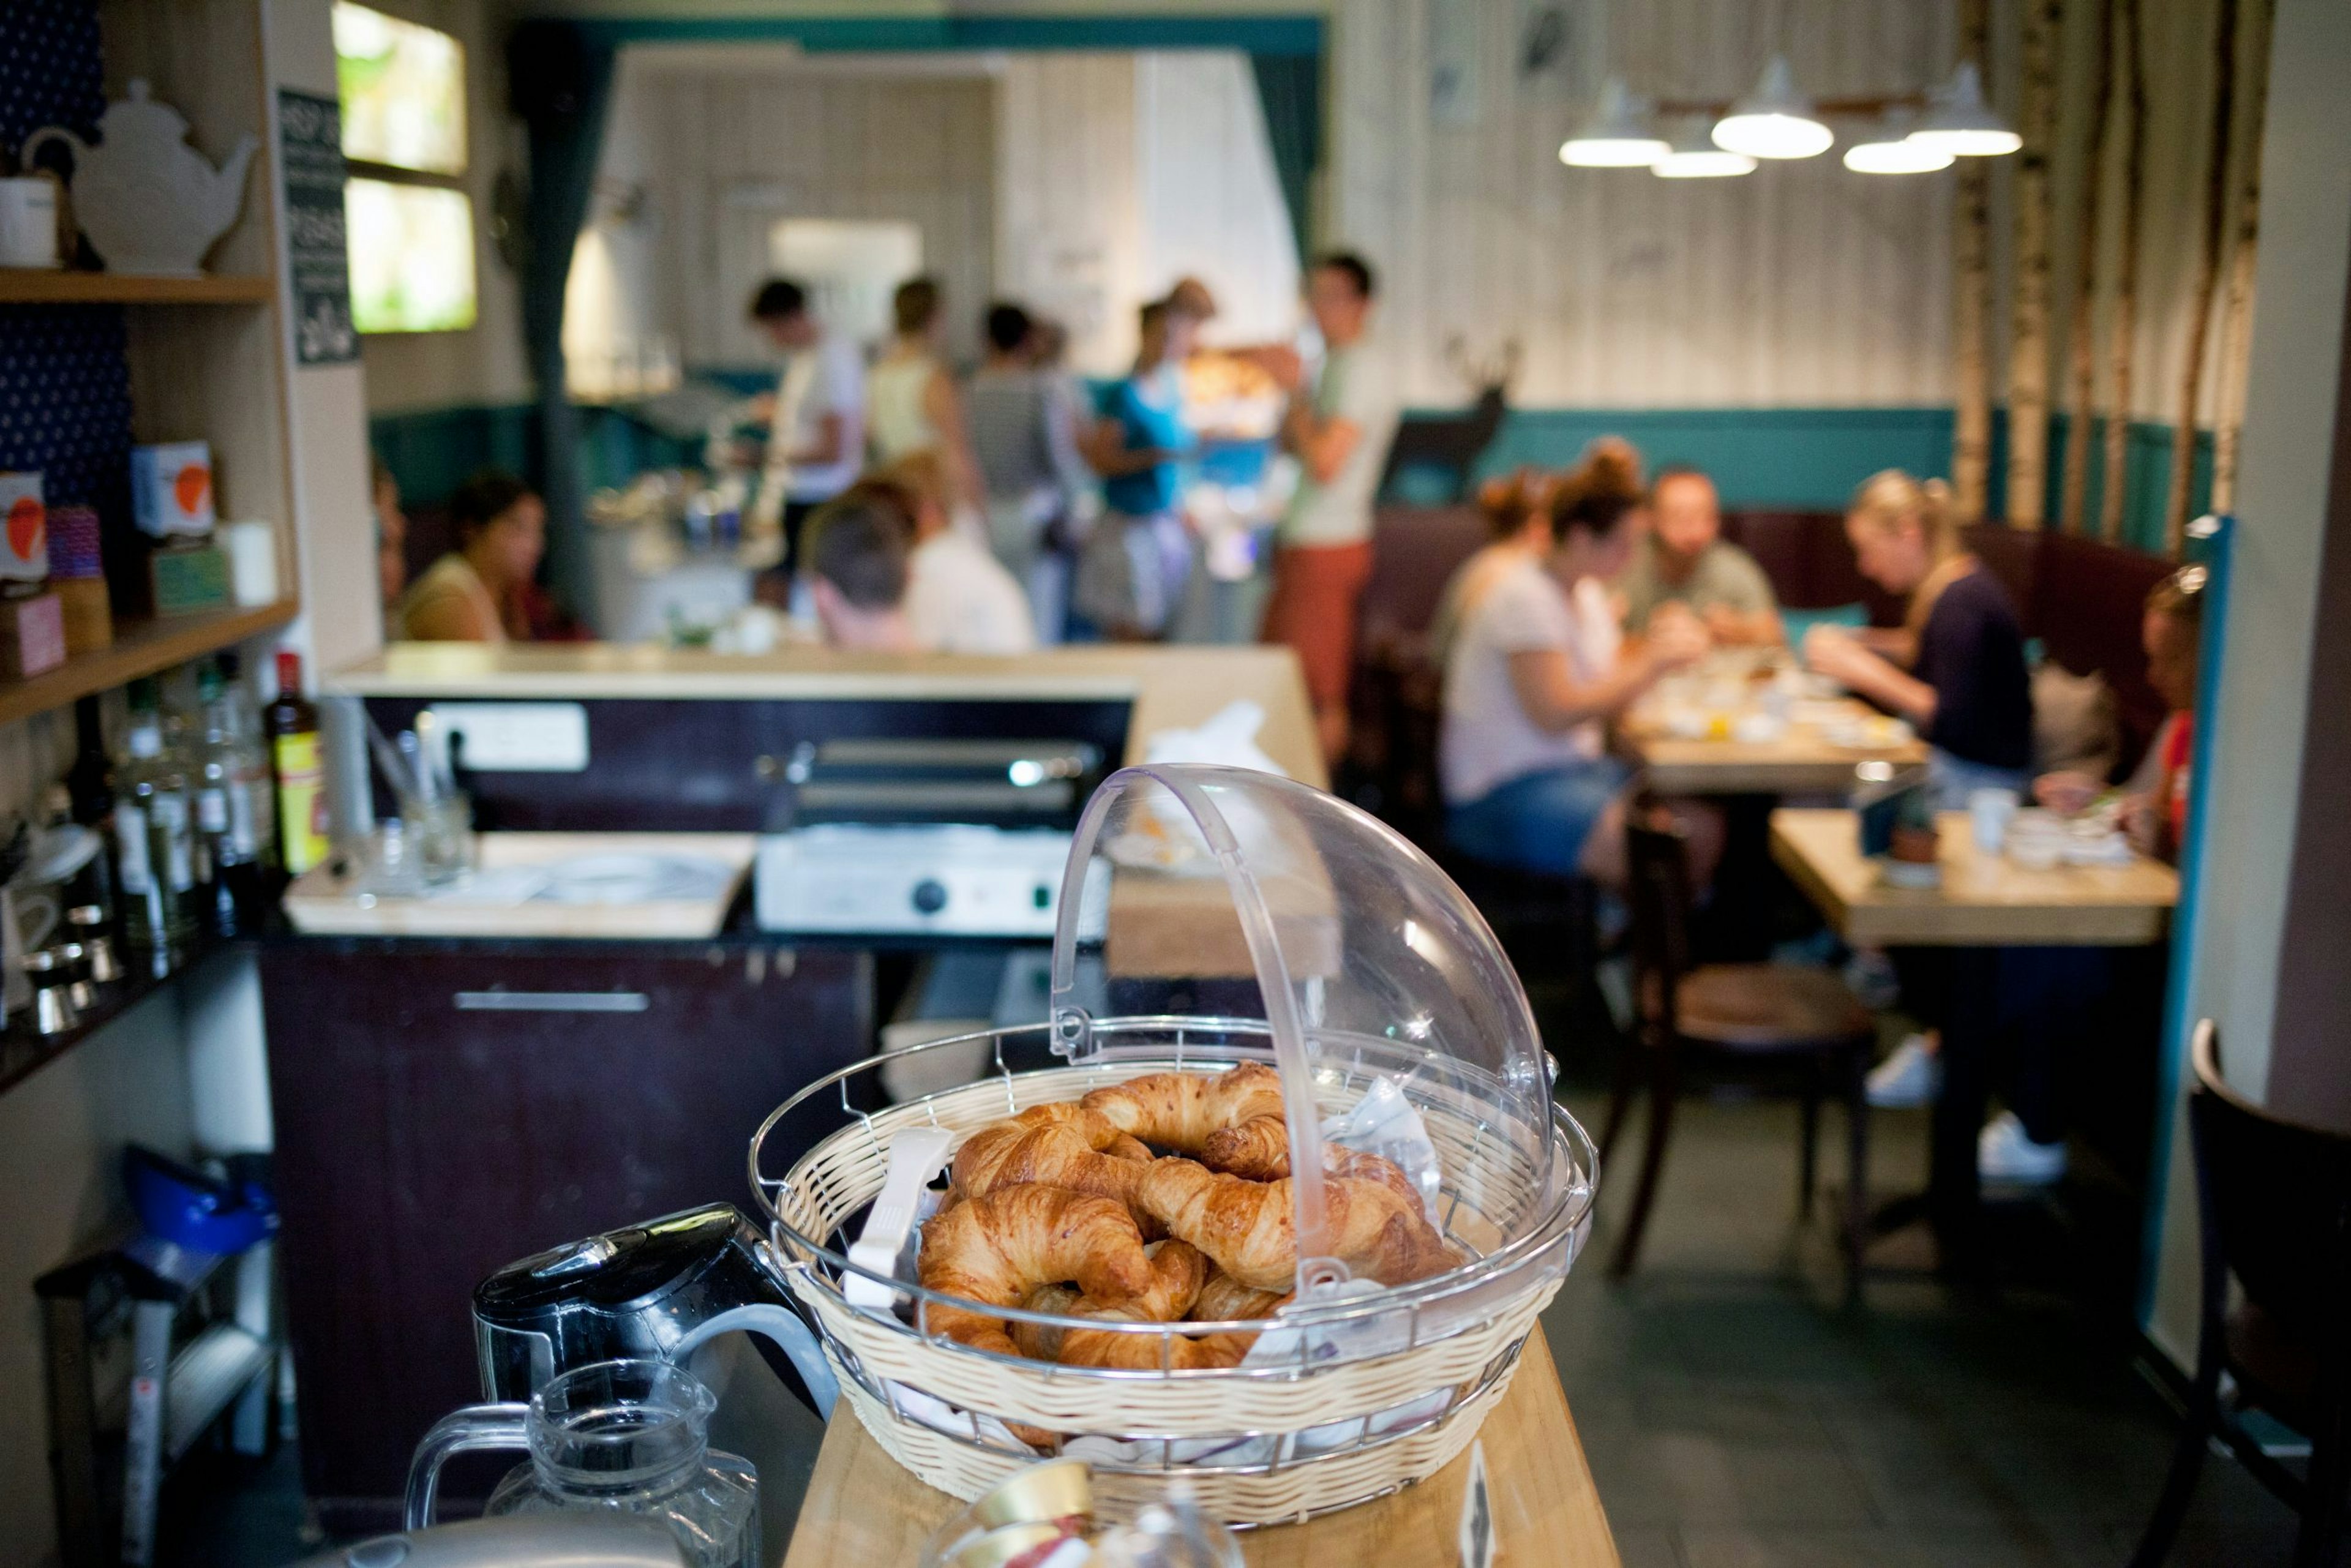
point(1774, 120)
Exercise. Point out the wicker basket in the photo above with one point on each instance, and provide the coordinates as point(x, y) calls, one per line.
point(1373, 1423)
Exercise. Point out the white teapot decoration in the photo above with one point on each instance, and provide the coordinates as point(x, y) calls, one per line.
point(147, 201)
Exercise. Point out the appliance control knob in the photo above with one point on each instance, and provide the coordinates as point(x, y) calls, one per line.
point(930, 897)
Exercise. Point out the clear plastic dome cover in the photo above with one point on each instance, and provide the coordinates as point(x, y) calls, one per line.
point(1226, 893)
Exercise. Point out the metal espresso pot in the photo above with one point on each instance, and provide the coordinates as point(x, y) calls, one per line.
point(656, 1291)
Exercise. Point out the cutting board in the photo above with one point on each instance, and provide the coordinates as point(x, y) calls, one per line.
point(328, 901)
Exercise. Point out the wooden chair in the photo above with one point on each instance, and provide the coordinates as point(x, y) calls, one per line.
point(1744, 1011)
point(2273, 1203)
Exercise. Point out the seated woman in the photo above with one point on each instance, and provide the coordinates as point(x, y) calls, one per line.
point(2154, 798)
point(959, 597)
point(1538, 668)
point(477, 592)
point(1517, 508)
point(1955, 667)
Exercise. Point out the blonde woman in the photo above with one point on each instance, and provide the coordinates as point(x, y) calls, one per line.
point(1955, 667)
point(911, 402)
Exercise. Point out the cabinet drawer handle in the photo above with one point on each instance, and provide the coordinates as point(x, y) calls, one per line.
point(553, 1002)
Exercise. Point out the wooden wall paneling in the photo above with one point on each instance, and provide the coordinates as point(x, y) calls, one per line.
point(203, 59)
point(1792, 286)
point(2214, 225)
point(213, 374)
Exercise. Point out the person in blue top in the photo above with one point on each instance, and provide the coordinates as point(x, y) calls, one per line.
point(1131, 573)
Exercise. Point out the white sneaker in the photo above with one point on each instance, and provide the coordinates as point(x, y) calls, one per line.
point(2004, 1154)
point(1912, 1075)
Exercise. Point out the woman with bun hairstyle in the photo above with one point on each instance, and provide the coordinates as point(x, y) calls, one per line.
point(1955, 667)
point(1537, 669)
point(1518, 513)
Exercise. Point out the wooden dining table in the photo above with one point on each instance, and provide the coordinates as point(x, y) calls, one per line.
point(1993, 916)
point(863, 1510)
point(1742, 749)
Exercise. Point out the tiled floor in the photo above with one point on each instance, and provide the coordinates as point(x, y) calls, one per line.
point(1735, 1414)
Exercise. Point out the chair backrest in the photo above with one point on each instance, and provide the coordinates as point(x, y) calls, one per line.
point(2278, 1196)
point(1657, 864)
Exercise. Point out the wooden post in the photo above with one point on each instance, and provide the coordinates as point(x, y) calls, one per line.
point(2130, 50)
point(2237, 308)
point(1971, 299)
point(2081, 336)
point(2208, 277)
point(2028, 354)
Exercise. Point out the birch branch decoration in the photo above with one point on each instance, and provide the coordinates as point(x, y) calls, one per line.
point(2208, 277)
point(1972, 300)
point(2123, 329)
point(2027, 357)
point(2237, 308)
point(2080, 335)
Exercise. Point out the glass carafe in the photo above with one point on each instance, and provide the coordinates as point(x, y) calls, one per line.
point(628, 1436)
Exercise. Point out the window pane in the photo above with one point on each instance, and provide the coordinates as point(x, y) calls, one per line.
point(411, 257)
point(404, 91)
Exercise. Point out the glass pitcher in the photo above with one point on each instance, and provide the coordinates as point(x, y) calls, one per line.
point(630, 1436)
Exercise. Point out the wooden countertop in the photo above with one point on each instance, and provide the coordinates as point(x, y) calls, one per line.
point(1986, 901)
point(863, 1508)
point(1171, 687)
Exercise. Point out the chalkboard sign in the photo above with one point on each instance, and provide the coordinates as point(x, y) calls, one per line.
point(311, 137)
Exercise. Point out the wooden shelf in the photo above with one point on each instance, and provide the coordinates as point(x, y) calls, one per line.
point(28, 286)
point(24, 1052)
point(141, 648)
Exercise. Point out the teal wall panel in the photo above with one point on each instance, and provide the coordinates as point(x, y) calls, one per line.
point(1803, 457)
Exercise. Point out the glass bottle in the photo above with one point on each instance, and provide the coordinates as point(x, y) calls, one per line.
point(625, 1437)
point(229, 799)
point(153, 849)
point(300, 769)
point(89, 786)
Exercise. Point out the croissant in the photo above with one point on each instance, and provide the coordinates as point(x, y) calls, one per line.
point(1042, 1341)
point(1224, 1299)
point(1251, 1231)
point(1177, 1272)
point(1055, 1145)
point(1183, 1111)
point(994, 1249)
point(1260, 1152)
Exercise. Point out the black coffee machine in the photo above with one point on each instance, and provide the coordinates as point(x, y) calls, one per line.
point(656, 1289)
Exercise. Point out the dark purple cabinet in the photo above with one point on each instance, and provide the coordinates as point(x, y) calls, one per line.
point(444, 1107)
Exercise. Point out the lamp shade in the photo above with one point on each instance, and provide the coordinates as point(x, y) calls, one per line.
point(1694, 156)
point(1616, 135)
point(1774, 120)
point(1960, 122)
point(1890, 148)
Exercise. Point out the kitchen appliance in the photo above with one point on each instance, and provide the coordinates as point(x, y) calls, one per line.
point(527, 1541)
point(657, 1291)
point(913, 836)
point(615, 1436)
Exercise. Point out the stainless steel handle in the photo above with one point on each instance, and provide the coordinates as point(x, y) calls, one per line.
point(553, 1002)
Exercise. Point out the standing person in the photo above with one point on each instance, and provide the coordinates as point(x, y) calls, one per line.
point(911, 404)
point(1339, 432)
point(1956, 669)
point(1132, 572)
point(476, 593)
point(1685, 560)
point(1538, 669)
point(1024, 443)
point(816, 417)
